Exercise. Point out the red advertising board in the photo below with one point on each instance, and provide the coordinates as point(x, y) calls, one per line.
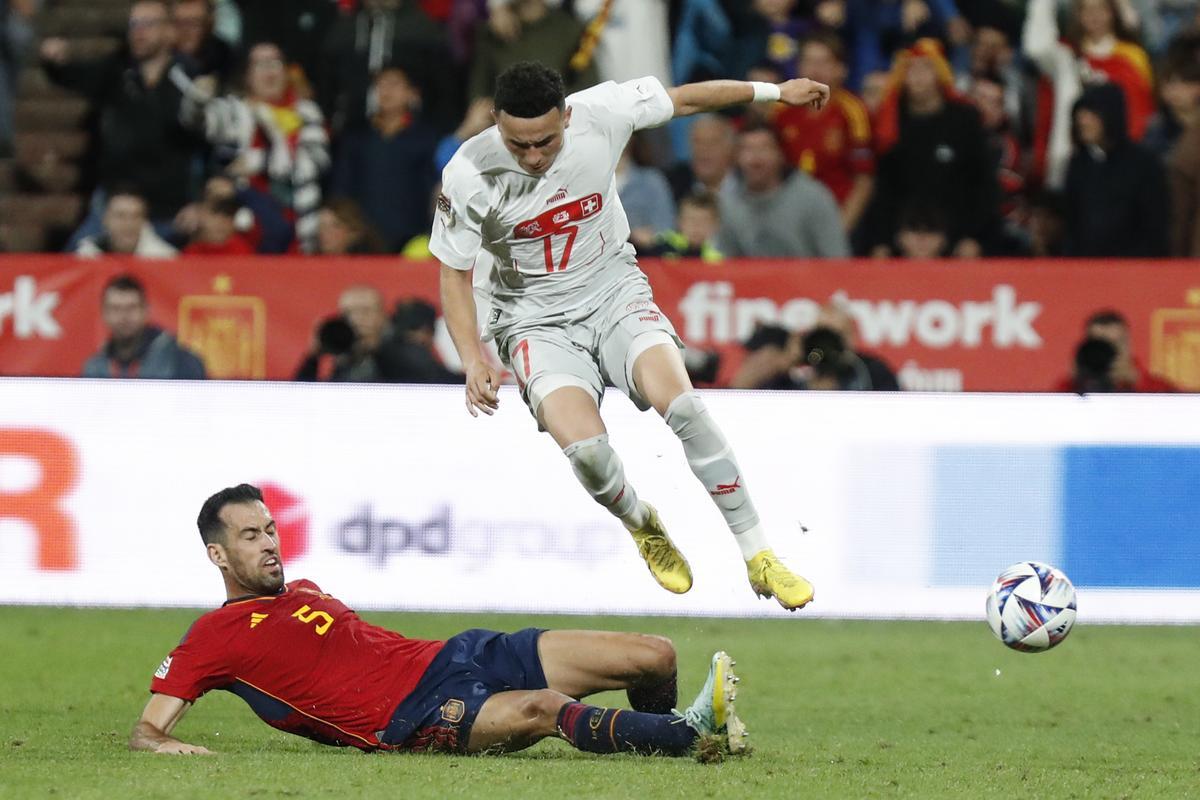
point(981, 326)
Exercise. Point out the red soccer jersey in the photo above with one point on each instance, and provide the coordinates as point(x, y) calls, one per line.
point(833, 144)
point(303, 661)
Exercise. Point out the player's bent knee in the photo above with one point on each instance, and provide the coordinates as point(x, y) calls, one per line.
point(539, 711)
point(658, 657)
point(684, 410)
point(592, 458)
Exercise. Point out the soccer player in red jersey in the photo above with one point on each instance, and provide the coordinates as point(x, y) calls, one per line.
point(831, 143)
point(307, 664)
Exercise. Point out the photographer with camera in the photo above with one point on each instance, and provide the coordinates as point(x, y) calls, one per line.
point(360, 344)
point(822, 358)
point(1104, 360)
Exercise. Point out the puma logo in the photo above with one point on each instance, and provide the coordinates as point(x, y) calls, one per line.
point(727, 488)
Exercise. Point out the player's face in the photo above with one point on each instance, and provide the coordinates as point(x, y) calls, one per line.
point(250, 552)
point(534, 142)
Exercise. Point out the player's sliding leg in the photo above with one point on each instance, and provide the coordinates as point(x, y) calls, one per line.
point(514, 720)
point(580, 663)
point(571, 416)
point(661, 379)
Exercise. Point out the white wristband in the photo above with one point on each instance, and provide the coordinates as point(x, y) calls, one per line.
point(765, 92)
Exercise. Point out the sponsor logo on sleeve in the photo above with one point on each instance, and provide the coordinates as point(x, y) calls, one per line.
point(163, 668)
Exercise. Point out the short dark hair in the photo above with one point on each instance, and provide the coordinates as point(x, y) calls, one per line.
point(528, 89)
point(831, 41)
point(223, 206)
point(125, 283)
point(923, 218)
point(1107, 316)
point(759, 126)
point(706, 201)
point(209, 522)
point(414, 315)
point(125, 190)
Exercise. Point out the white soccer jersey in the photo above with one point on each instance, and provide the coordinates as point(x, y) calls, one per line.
point(558, 240)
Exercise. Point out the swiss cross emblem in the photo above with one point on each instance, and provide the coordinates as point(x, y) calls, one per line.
point(590, 204)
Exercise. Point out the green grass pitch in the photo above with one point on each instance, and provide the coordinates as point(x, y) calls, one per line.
point(835, 709)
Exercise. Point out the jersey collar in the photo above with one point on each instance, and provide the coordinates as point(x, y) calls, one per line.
point(246, 597)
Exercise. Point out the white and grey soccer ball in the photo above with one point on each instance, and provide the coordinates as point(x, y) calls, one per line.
point(1031, 606)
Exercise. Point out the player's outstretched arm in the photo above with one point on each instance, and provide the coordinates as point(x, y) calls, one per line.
point(153, 731)
point(458, 309)
point(698, 98)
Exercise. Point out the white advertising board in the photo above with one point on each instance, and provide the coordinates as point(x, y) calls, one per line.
point(392, 497)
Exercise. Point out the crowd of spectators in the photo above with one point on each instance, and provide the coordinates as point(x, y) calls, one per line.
point(956, 127)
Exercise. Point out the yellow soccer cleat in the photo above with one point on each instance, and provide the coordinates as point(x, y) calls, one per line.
point(666, 563)
point(769, 578)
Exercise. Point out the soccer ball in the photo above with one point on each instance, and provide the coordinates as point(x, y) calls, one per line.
point(1031, 607)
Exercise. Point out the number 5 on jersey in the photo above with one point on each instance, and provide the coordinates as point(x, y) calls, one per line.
point(306, 614)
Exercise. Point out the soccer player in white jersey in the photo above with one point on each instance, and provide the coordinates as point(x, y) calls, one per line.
point(569, 306)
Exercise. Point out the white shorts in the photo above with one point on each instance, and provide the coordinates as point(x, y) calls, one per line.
point(598, 348)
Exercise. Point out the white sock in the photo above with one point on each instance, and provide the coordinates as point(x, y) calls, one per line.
point(636, 517)
point(752, 541)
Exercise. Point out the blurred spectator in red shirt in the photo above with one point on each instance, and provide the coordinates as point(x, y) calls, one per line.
point(1099, 46)
point(832, 144)
point(216, 233)
point(1113, 368)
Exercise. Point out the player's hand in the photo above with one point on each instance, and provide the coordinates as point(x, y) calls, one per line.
point(183, 749)
point(483, 384)
point(804, 92)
